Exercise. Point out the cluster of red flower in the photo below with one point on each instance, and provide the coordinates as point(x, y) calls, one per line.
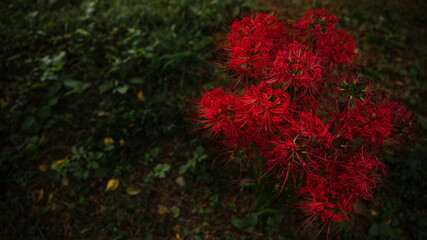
point(305, 110)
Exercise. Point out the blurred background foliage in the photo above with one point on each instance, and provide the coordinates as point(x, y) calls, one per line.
point(95, 138)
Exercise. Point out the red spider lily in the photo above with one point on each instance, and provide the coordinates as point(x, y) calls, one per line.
point(312, 127)
point(375, 124)
point(294, 65)
point(352, 86)
point(250, 44)
point(318, 200)
point(265, 108)
point(216, 114)
point(317, 22)
point(356, 178)
point(306, 112)
point(337, 47)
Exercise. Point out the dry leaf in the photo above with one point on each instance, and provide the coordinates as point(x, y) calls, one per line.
point(161, 209)
point(122, 142)
point(37, 194)
point(180, 181)
point(59, 163)
point(102, 209)
point(132, 190)
point(176, 228)
point(84, 230)
point(108, 141)
point(141, 95)
point(100, 113)
point(49, 197)
point(65, 182)
point(112, 184)
point(43, 167)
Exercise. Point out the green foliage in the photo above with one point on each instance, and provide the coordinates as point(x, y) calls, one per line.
point(384, 231)
point(209, 204)
point(198, 156)
point(81, 163)
point(159, 171)
point(248, 223)
point(273, 224)
point(149, 157)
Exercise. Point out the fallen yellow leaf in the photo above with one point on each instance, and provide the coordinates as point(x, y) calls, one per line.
point(132, 190)
point(141, 95)
point(161, 209)
point(122, 142)
point(49, 197)
point(43, 167)
point(112, 184)
point(58, 163)
point(108, 141)
point(373, 212)
point(177, 236)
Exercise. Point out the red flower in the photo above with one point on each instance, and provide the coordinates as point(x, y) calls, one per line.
point(337, 47)
point(295, 65)
point(375, 124)
point(317, 22)
point(356, 177)
point(250, 45)
point(265, 109)
point(216, 113)
point(310, 117)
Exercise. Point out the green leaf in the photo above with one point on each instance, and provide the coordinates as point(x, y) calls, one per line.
point(199, 155)
point(82, 32)
point(59, 58)
point(422, 120)
point(28, 123)
point(53, 90)
point(45, 112)
point(137, 81)
point(183, 169)
point(106, 86)
point(246, 223)
point(239, 223)
point(149, 178)
point(45, 62)
point(37, 85)
point(161, 169)
point(86, 174)
point(53, 101)
point(94, 165)
point(88, 7)
point(123, 89)
point(154, 152)
point(148, 237)
point(71, 83)
point(175, 211)
point(253, 220)
point(109, 147)
point(374, 230)
point(253, 5)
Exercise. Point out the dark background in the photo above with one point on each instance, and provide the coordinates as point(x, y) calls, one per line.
point(93, 91)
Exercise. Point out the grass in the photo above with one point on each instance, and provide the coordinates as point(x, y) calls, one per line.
point(98, 90)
